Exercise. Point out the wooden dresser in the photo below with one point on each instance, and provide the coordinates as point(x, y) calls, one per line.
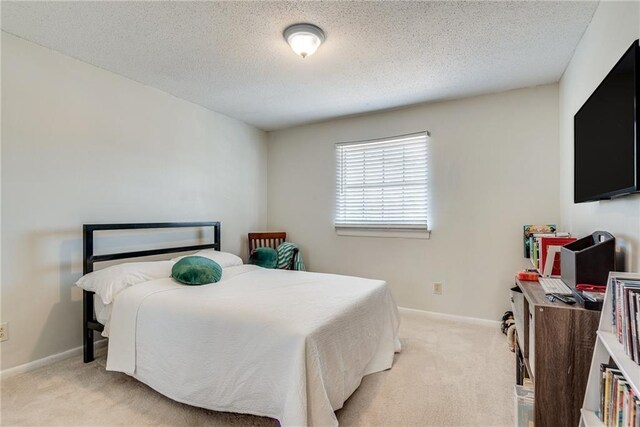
point(554, 349)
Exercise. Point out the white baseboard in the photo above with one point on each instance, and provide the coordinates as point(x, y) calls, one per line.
point(30, 366)
point(454, 317)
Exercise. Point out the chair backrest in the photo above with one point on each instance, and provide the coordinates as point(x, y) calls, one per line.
point(268, 239)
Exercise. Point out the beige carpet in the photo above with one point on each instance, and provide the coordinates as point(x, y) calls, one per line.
point(448, 374)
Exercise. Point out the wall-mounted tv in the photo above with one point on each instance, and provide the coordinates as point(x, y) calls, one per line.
point(607, 134)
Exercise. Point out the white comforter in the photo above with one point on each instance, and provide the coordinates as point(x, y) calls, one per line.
point(287, 345)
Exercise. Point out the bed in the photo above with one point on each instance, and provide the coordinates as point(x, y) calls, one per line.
point(283, 344)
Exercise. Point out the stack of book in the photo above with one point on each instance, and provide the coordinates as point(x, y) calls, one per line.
point(626, 315)
point(537, 239)
point(619, 405)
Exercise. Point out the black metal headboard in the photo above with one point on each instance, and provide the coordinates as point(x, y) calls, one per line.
point(87, 240)
point(90, 324)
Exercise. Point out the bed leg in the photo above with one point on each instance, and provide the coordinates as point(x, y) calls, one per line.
point(88, 345)
point(87, 334)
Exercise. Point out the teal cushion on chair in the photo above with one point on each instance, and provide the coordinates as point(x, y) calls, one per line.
point(264, 257)
point(196, 270)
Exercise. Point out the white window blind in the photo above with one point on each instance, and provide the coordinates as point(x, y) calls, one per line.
point(382, 183)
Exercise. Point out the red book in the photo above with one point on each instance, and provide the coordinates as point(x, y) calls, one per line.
point(545, 242)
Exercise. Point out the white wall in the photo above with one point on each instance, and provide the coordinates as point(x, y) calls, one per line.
point(615, 25)
point(79, 145)
point(493, 167)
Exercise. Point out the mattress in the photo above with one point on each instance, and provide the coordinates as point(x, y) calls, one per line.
point(283, 344)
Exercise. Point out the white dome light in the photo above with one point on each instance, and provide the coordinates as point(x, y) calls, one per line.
point(304, 39)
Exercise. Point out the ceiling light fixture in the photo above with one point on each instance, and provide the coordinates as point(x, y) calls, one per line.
point(304, 39)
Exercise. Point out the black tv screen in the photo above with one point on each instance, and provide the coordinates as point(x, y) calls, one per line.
point(607, 140)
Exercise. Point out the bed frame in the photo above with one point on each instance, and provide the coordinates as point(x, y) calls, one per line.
point(89, 322)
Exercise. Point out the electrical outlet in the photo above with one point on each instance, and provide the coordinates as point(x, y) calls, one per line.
point(4, 331)
point(437, 288)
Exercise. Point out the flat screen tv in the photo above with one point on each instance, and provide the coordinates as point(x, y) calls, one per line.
point(607, 134)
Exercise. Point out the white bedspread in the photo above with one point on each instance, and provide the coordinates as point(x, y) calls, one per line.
point(283, 344)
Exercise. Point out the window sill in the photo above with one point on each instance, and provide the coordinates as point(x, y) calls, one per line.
point(385, 233)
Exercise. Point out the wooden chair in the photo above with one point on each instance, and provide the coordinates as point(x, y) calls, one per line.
point(269, 239)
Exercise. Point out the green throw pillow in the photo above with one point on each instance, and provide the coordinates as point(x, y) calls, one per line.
point(196, 270)
point(264, 257)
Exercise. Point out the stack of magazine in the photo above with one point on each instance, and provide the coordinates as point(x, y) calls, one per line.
point(626, 315)
point(619, 406)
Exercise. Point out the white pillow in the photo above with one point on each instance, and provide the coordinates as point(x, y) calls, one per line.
point(111, 280)
point(225, 259)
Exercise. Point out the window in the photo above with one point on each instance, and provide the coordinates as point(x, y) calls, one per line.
point(382, 183)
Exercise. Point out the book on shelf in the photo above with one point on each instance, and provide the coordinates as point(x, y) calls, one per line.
point(537, 239)
point(544, 243)
point(626, 315)
point(534, 245)
point(633, 336)
point(529, 230)
point(619, 405)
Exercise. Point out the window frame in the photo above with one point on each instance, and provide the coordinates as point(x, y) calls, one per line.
point(381, 229)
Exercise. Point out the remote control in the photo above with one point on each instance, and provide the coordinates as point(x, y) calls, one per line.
point(565, 299)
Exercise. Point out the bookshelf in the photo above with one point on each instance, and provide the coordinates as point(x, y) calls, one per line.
point(607, 348)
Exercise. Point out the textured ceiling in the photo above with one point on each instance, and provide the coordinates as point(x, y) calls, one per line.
point(231, 57)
